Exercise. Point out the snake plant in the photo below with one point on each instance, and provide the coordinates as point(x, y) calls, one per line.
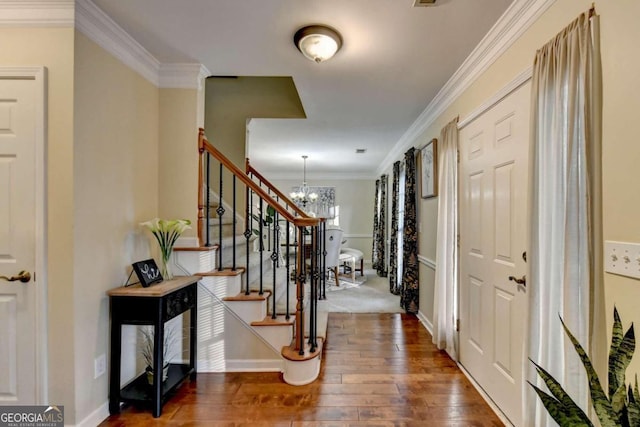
point(619, 407)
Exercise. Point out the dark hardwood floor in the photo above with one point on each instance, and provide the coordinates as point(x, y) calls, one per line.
point(378, 370)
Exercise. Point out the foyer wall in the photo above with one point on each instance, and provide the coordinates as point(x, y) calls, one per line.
point(355, 198)
point(53, 48)
point(115, 187)
point(621, 94)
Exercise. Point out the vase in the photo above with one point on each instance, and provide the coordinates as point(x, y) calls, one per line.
point(165, 267)
point(165, 374)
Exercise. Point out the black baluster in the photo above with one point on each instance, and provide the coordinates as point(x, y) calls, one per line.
point(207, 209)
point(247, 234)
point(274, 259)
point(220, 212)
point(287, 316)
point(233, 224)
point(261, 229)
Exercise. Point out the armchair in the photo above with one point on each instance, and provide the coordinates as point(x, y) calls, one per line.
point(333, 240)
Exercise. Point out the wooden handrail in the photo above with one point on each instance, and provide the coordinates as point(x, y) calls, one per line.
point(249, 169)
point(204, 145)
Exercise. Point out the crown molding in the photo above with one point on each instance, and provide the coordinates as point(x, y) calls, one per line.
point(183, 76)
point(99, 27)
point(27, 13)
point(511, 25)
point(104, 31)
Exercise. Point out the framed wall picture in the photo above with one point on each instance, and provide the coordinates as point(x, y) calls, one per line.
point(429, 172)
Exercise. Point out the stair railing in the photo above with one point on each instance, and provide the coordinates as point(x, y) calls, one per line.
point(283, 210)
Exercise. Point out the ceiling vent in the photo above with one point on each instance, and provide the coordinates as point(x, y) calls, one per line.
point(423, 3)
point(361, 150)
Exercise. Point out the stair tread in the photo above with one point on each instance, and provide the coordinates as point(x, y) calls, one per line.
point(253, 296)
point(289, 353)
point(195, 248)
point(224, 272)
point(278, 321)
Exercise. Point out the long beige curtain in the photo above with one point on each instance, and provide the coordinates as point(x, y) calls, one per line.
point(445, 300)
point(565, 277)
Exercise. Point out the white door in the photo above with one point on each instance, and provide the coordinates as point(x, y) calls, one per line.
point(17, 240)
point(493, 203)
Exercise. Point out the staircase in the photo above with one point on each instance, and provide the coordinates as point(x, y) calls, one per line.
point(255, 313)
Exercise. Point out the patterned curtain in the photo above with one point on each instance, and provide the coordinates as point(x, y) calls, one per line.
point(409, 299)
point(374, 249)
point(393, 251)
point(381, 266)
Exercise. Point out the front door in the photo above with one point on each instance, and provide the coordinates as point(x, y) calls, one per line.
point(493, 201)
point(18, 332)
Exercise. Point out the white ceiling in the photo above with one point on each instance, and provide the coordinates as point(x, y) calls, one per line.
point(394, 60)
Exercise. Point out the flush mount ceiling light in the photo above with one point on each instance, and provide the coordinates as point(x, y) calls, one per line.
point(317, 42)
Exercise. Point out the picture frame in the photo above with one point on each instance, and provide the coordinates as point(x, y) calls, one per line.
point(148, 272)
point(429, 169)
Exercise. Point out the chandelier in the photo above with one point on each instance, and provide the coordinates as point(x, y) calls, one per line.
point(303, 196)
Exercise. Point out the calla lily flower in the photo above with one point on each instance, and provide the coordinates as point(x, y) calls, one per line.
point(166, 233)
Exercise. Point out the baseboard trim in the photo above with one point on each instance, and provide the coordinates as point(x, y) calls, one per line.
point(425, 322)
point(249, 365)
point(96, 417)
point(486, 397)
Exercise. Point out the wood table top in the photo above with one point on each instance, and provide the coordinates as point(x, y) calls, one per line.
point(156, 290)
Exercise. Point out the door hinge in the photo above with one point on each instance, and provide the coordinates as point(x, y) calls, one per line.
point(457, 325)
point(458, 240)
point(458, 155)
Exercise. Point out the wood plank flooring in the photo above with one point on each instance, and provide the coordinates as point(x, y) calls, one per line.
point(378, 370)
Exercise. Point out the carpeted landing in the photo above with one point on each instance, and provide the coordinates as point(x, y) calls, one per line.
point(368, 294)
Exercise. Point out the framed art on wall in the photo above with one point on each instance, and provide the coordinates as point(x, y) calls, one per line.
point(429, 173)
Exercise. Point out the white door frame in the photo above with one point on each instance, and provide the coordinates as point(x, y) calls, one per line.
point(39, 76)
point(521, 79)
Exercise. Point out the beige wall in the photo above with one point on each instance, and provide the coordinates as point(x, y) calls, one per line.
point(178, 169)
point(115, 188)
point(53, 48)
point(355, 198)
point(229, 103)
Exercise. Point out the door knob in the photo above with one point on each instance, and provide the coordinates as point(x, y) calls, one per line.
point(522, 281)
point(23, 276)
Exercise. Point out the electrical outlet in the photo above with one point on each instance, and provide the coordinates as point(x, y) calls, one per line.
point(622, 258)
point(99, 366)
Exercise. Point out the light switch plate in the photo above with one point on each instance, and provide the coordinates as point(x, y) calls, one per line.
point(622, 258)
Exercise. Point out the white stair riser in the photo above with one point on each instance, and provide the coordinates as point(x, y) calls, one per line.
point(302, 372)
point(249, 311)
point(276, 336)
point(194, 261)
point(223, 286)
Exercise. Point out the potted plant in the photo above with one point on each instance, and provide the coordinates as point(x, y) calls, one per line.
point(620, 407)
point(146, 350)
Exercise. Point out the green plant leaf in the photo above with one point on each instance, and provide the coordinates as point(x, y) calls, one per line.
point(616, 339)
point(633, 407)
point(559, 412)
point(570, 408)
point(601, 404)
point(622, 348)
point(619, 404)
point(271, 211)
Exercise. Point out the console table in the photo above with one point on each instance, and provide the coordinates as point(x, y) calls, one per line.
point(154, 305)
